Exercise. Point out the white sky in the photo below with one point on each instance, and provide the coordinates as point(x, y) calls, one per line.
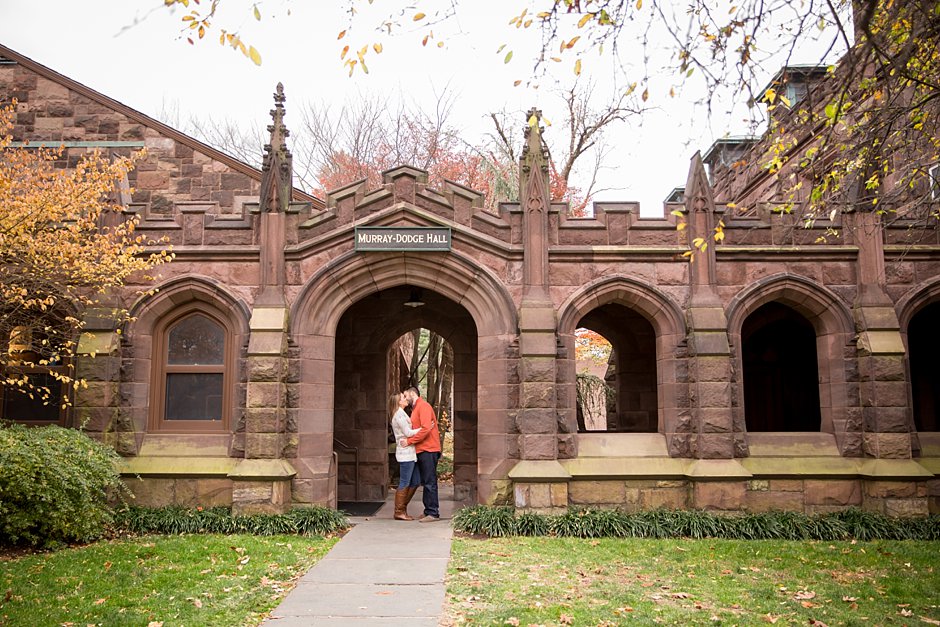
point(149, 69)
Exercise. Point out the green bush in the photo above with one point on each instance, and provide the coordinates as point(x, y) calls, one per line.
point(173, 520)
point(55, 485)
point(662, 523)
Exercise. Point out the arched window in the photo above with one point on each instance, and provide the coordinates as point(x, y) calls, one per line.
point(191, 391)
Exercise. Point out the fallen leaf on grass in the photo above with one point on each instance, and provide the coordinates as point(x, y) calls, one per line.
point(512, 620)
point(770, 618)
point(929, 621)
point(100, 601)
point(804, 595)
point(566, 619)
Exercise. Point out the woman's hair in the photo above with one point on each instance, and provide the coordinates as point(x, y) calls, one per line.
point(393, 405)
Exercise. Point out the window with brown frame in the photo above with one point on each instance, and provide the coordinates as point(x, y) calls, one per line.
point(39, 400)
point(193, 365)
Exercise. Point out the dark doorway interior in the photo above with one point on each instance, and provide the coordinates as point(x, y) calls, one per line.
point(923, 343)
point(366, 373)
point(634, 406)
point(781, 378)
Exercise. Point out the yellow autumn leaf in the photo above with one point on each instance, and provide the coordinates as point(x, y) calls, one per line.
point(639, 4)
point(573, 41)
point(418, 17)
point(377, 48)
point(440, 44)
point(533, 120)
point(254, 55)
point(584, 20)
point(257, 13)
point(342, 34)
point(577, 67)
point(516, 83)
point(508, 57)
point(342, 55)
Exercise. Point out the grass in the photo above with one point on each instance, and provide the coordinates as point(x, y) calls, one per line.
point(568, 581)
point(160, 580)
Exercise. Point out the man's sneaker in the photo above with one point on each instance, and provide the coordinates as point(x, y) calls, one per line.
point(429, 518)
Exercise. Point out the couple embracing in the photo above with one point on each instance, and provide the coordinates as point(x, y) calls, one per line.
point(418, 448)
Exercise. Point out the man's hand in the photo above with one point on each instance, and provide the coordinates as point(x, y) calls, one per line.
point(403, 442)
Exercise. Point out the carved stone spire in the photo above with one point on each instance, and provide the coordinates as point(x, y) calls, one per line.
point(700, 210)
point(536, 202)
point(277, 164)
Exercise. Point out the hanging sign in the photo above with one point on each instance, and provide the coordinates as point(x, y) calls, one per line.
point(426, 238)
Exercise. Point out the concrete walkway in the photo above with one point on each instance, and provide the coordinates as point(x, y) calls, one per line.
point(382, 572)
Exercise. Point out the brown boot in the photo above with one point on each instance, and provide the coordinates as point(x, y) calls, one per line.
point(409, 492)
point(401, 505)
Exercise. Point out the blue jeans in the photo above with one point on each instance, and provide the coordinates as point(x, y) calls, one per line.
point(408, 475)
point(427, 465)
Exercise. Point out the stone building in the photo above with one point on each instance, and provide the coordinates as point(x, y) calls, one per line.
point(772, 372)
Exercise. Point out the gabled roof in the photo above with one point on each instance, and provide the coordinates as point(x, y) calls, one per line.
point(8, 55)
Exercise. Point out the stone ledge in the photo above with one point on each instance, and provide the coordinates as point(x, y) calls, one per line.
point(534, 471)
point(262, 470)
point(892, 469)
point(932, 464)
point(800, 467)
point(717, 469)
point(600, 468)
point(179, 467)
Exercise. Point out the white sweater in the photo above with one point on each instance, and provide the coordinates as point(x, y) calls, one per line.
point(401, 427)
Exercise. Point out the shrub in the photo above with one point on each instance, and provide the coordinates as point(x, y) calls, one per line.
point(173, 520)
point(55, 485)
point(662, 523)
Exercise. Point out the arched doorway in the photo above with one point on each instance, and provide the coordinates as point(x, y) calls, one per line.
point(923, 345)
point(781, 380)
point(364, 377)
point(633, 404)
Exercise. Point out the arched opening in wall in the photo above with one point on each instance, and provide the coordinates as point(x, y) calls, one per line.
point(923, 343)
point(781, 379)
point(630, 377)
point(376, 339)
point(423, 359)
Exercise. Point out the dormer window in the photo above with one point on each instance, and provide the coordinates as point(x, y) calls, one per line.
point(794, 82)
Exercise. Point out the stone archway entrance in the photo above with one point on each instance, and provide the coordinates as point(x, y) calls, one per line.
point(363, 382)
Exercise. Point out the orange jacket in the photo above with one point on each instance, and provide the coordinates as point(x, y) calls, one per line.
point(427, 439)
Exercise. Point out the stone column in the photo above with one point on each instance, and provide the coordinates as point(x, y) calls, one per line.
point(97, 406)
point(261, 481)
point(886, 415)
point(537, 418)
point(714, 432)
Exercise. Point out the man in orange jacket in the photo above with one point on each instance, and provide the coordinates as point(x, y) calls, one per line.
point(427, 443)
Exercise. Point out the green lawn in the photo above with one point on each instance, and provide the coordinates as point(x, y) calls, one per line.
point(156, 580)
point(565, 581)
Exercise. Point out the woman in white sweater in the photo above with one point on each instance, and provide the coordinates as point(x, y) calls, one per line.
point(406, 456)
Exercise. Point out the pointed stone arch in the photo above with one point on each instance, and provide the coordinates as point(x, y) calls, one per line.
point(349, 279)
point(835, 348)
point(667, 321)
point(188, 292)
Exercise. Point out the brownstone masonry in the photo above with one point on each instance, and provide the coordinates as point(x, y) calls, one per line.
point(769, 373)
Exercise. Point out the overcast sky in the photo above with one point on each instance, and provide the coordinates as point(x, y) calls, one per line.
point(130, 51)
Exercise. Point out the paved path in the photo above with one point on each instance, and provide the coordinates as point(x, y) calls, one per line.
point(368, 577)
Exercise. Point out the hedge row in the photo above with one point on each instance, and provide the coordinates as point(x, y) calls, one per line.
point(307, 521)
point(601, 523)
